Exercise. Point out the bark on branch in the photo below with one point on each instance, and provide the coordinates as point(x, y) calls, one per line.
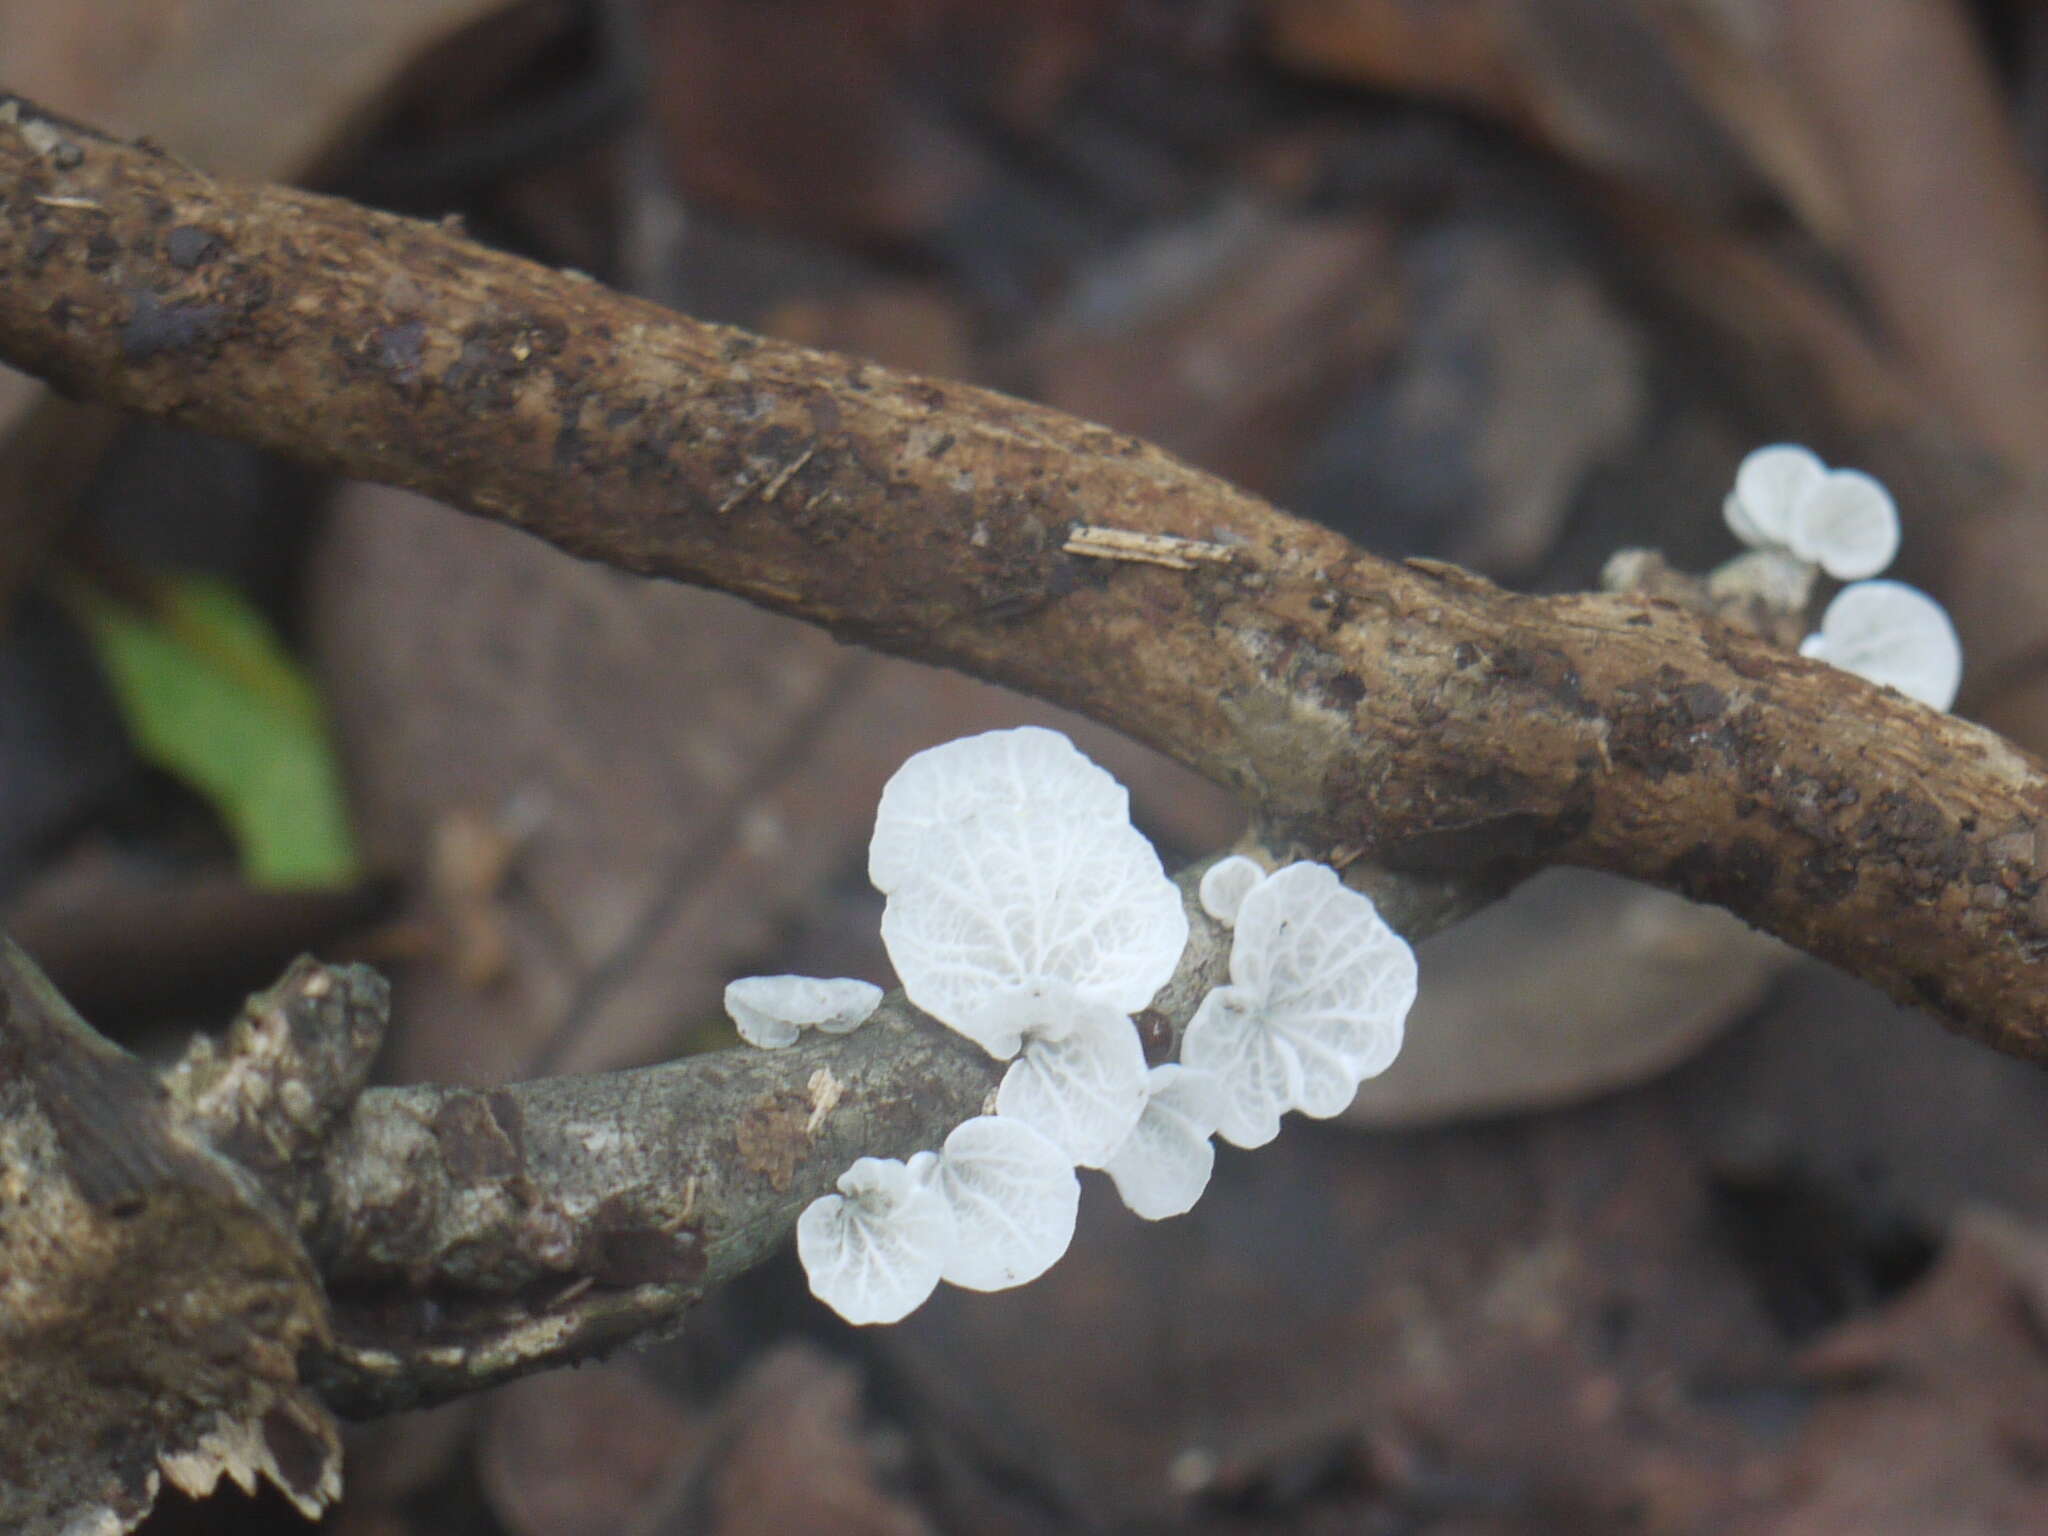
point(430, 1241)
point(1413, 712)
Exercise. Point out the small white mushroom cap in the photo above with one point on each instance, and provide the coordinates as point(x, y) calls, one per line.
point(876, 1250)
point(1226, 883)
point(1164, 1166)
point(941, 794)
point(1891, 634)
point(1319, 995)
point(1024, 877)
point(1080, 1081)
point(1847, 524)
point(1013, 1198)
point(1769, 484)
point(771, 1011)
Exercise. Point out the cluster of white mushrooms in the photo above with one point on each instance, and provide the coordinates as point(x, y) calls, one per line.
point(1027, 913)
point(1793, 509)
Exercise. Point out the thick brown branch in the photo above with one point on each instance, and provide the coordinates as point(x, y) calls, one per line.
point(1413, 712)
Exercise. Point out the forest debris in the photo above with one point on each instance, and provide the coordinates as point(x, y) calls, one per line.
point(585, 1453)
point(1167, 549)
point(153, 1305)
point(1932, 1410)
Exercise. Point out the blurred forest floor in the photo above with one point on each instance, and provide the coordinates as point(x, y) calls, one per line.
point(1654, 1229)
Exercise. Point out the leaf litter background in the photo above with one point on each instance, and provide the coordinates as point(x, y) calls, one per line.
point(1653, 1228)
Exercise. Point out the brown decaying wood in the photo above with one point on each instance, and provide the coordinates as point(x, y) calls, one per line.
point(466, 1237)
point(1414, 712)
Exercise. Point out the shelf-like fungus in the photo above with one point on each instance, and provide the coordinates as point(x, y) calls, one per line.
point(1785, 499)
point(876, 1250)
point(1164, 1165)
point(772, 1011)
point(1080, 1079)
point(1007, 867)
point(1768, 485)
point(1319, 993)
point(1847, 525)
point(1013, 1198)
point(1026, 912)
point(939, 797)
point(1892, 634)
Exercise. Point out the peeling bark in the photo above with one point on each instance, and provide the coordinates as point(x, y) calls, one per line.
point(411, 1244)
point(468, 1237)
point(154, 1301)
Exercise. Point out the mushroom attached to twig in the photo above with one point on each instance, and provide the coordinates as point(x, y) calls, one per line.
point(772, 1011)
point(1894, 635)
point(1320, 989)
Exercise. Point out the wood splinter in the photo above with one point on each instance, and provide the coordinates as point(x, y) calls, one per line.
point(1167, 549)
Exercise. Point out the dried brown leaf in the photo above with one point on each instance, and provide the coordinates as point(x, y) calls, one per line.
point(1933, 1413)
point(683, 776)
point(583, 1453)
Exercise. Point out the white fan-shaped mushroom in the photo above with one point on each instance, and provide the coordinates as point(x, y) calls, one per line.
point(952, 785)
point(771, 1011)
point(875, 1250)
point(1260, 1070)
point(1226, 883)
point(1164, 1165)
point(1013, 1198)
point(1891, 634)
point(1847, 524)
point(1080, 1081)
point(1320, 990)
point(1768, 485)
point(1029, 882)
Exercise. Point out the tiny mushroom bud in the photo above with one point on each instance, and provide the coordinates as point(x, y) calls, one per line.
point(1847, 524)
point(1013, 1198)
point(1319, 991)
point(1164, 1165)
point(1781, 582)
point(875, 1251)
point(1768, 486)
point(771, 1011)
point(1894, 635)
point(1226, 883)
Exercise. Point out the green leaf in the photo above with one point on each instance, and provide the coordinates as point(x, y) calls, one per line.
point(211, 696)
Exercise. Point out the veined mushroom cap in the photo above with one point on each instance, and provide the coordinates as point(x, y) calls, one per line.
point(1319, 996)
point(942, 793)
point(1080, 1080)
point(1018, 876)
point(1847, 524)
point(1892, 634)
point(1768, 485)
point(875, 1251)
point(1164, 1165)
point(1013, 1198)
point(771, 1011)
